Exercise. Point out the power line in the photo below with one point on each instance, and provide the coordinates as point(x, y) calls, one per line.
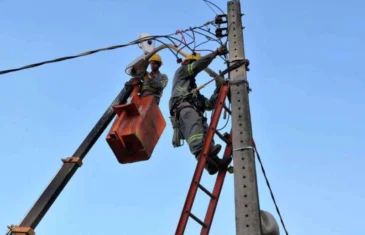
point(268, 185)
point(213, 4)
point(168, 36)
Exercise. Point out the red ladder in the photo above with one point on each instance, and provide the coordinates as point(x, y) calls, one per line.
point(195, 184)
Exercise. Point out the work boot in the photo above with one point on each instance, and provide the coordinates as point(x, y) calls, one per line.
point(222, 163)
point(210, 166)
point(215, 150)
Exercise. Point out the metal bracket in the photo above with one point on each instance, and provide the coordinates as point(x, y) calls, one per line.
point(18, 230)
point(244, 61)
point(76, 160)
point(235, 65)
point(245, 148)
point(240, 81)
point(219, 32)
point(219, 19)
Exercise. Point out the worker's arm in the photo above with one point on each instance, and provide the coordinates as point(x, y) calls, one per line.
point(197, 66)
point(210, 103)
point(159, 82)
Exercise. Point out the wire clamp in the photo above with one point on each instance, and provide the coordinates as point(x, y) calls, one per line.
point(244, 148)
point(76, 160)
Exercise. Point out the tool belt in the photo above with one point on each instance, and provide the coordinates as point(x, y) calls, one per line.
point(194, 102)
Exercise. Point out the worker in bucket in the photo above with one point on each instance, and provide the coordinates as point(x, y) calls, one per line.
point(151, 83)
point(154, 82)
point(187, 108)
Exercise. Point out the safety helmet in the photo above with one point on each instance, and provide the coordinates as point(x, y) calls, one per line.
point(197, 56)
point(156, 57)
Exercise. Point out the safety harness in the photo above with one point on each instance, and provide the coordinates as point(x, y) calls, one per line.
point(193, 99)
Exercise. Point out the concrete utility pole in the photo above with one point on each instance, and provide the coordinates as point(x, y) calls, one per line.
point(245, 182)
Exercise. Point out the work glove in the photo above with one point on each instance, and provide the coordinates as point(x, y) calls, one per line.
point(177, 139)
point(219, 81)
point(222, 50)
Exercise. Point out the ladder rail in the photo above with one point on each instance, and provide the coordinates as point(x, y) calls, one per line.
point(202, 160)
point(209, 216)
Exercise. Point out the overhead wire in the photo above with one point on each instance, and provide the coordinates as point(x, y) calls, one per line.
point(100, 50)
point(210, 7)
point(202, 43)
point(192, 31)
point(182, 37)
point(213, 4)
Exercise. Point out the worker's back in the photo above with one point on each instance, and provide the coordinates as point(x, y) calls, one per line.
point(181, 85)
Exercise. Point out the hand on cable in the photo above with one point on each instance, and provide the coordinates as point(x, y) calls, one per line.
point(222, 50)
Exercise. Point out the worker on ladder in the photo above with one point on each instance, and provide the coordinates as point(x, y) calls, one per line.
point(187, 108)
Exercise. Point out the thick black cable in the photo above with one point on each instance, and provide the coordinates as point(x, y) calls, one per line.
point(271, 192)
point(192, 31)
point(188, 35)
point(173, 52)
point(213, 39)
point(184, 43)
point(208, 31)
point(95, 51)
point(227, 119)
point(202, 43)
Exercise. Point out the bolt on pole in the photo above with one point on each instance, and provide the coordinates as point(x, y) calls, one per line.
point(247, 206)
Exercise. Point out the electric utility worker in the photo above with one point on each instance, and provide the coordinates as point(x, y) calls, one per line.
point(154, 82)
point(187, 109)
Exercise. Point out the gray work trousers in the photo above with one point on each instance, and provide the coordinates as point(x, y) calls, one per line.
point(193, 127)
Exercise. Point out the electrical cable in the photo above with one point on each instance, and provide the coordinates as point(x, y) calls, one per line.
point(227, 119)
point(214, 39)
point(206, 1)
point(189, 35)
point(192, 31)
point(202, 43)
point(182, 37)
point(208, 31)
point(268, 185)
point(184, 43)
point(97, 50)
point(210, 7)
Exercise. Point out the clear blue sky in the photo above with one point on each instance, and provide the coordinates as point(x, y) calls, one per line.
point(307, 110)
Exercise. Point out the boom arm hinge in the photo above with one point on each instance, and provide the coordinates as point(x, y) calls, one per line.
point(18, 230)
point(76, 160)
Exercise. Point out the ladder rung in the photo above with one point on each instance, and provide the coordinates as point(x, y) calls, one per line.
point(197, 220)
point(222, 137)
point(227, 109)
point(206, 191)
